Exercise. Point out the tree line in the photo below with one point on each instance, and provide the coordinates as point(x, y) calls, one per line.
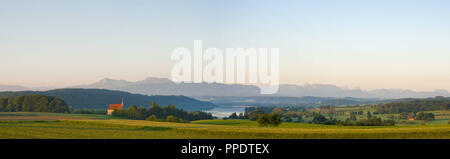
point(33, 103)
point(263, 118)
point(425, 116)
point(157, 113)
point(352, 121)
point(418, 105)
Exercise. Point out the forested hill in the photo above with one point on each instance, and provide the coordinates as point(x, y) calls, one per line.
point(33, 103)
point(101, 98)
point(415, 105)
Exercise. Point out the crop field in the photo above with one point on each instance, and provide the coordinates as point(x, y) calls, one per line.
point(102, 127)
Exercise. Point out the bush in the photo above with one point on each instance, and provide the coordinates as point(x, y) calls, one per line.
point(254, 115)
point(331, 122)
point(425, 116)
point(319, 119)
point(275, 120)
point(269, 119)
point(152, 118)
point(172, 118)
point(88, 111)
point(263, 119)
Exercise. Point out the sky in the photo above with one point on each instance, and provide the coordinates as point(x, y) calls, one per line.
point(350, 43)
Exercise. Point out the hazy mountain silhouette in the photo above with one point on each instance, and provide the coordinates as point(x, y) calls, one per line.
point(164, 86)
point(22, 88)
point(12, 88)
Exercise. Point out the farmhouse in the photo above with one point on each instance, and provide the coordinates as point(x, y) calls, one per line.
point(113, 107)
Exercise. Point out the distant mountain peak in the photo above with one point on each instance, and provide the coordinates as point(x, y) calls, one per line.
point(164, 86)
point(105, 80)
point(155, 80)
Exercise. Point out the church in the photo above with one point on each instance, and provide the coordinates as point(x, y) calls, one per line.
point(113, 107)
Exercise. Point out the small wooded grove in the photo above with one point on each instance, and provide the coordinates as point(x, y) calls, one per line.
point(33, 103)
point(158, 113)
point(269, 119)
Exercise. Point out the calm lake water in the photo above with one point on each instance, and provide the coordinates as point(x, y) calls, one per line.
point(225, 111)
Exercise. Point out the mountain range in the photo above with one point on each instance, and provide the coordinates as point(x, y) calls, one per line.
point(164, 86)
point(323, 90)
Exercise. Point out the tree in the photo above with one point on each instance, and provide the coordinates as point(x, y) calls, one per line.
point(278, 110)
point(120, 113)
point(425, 116)
point(263, 119)
point(245, 115)
point(155, 108)
point(269, 119)
point(172, 118)
point(352, 116)
point(404, 115)
point(254, 115)
point(369, 115)
point(233, 116)
point(274, 119)
point(319, 118)
point(241, 116)
point(132, 112)
point(152, 118)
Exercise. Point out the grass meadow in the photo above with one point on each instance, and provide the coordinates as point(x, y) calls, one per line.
point(103, 127)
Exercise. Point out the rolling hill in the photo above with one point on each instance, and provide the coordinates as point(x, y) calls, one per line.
point(101, 98)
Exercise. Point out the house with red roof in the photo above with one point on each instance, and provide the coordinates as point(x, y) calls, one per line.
point(113, 107)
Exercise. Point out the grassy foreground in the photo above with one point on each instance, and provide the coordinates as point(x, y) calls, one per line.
point(100, 128)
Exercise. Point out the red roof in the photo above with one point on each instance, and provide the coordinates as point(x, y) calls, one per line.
point(115, 107)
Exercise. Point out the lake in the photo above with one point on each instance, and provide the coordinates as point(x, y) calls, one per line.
point(225, 111)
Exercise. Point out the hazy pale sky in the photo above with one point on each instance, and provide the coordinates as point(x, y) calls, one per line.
point(352, 43)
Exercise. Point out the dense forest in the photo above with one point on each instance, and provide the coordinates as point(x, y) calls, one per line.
point(101, 98)
point(417, 105)
point(158, 113)
point(33, 103)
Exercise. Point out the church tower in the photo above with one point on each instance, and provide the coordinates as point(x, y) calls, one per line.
point(113, 107)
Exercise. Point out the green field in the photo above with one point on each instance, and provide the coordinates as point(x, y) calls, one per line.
point(100, 127)
point(441, 116)
point(86, 116)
